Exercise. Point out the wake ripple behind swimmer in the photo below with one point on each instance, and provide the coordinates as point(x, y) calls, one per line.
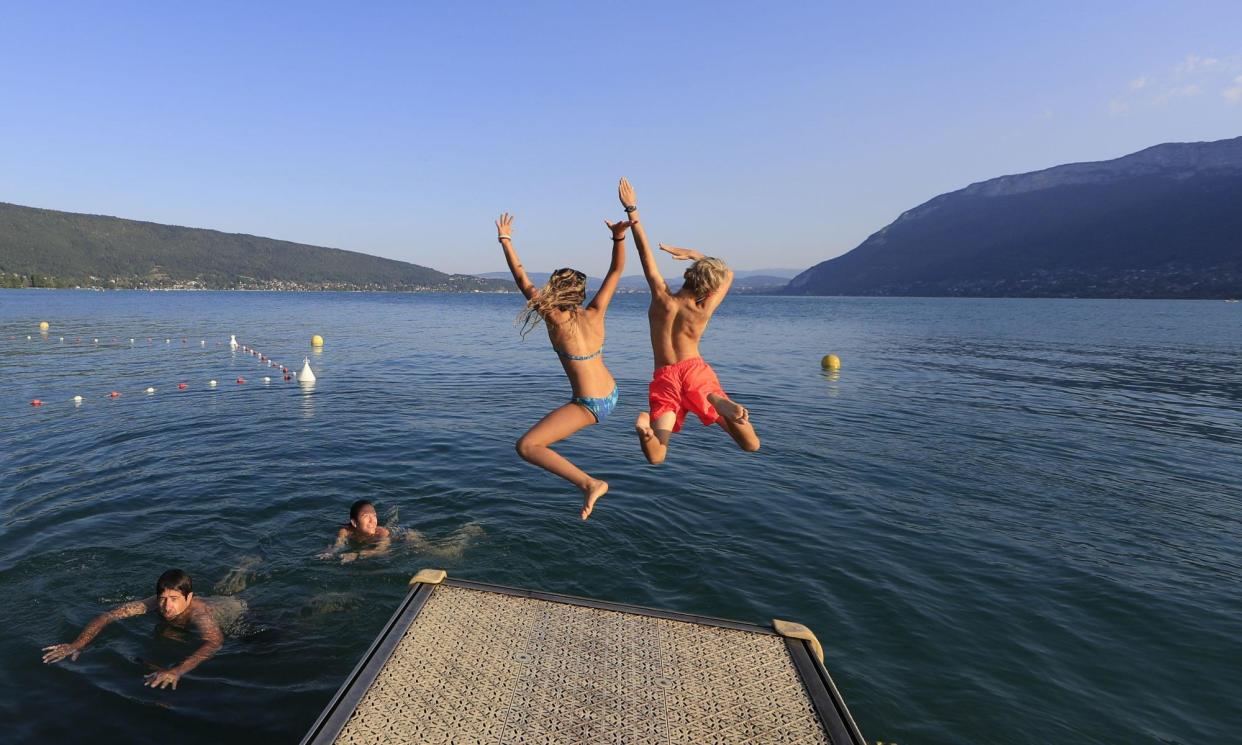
point(450, 547)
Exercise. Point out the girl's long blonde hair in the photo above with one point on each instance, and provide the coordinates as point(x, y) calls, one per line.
point(565, 290)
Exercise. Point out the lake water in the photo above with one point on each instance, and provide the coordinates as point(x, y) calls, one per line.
point(1007, 520)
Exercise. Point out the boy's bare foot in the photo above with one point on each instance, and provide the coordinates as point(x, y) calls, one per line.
point(731, 410)
point(591, 494)
point(643, 426)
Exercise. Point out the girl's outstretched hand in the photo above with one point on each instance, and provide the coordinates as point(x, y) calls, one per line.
point(618, 228)
point(504, 225)
point(626, 193)
point(682, 254)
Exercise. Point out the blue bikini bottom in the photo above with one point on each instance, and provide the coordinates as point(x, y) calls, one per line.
point(600, 408)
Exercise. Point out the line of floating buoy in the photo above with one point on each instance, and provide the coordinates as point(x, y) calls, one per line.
point(306, 376)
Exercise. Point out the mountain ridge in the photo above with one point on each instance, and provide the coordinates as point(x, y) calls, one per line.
point(1165, 221)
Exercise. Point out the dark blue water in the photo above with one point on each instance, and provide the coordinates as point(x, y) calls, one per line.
point(1008, 520)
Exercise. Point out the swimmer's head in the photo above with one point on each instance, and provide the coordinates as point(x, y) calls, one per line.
point(173, 593)
point(705, 276)
point(363, 517)
point(565, 290)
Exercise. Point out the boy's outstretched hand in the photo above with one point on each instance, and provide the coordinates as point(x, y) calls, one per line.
point(682, 254)
point(162, 679)
point(58, 652)
point(504, 225)
point(626, 193)
point(618, 228)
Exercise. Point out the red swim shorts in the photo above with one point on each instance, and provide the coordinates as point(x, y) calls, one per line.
point(684, 387)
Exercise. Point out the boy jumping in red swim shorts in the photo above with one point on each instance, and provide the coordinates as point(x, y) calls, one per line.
point(682, 381)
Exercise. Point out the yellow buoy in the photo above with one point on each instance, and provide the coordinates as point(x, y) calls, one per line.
point(316, 341)
point(44, 325)
point(830, 362)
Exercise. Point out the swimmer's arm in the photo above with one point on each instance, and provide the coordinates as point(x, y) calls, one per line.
point(650, 269)
point(213, 639)
point(342, 536)
point(381, 547)
point(504, 227)
point(603, 296)
point(58, 652)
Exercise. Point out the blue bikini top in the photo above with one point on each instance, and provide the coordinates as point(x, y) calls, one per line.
point(578, 358)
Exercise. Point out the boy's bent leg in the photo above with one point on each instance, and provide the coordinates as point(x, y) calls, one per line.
point(735, 419)
point(556, 426)
point(654, 439)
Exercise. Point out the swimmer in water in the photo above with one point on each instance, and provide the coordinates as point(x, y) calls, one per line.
point(363, 528)
point(175, 602)
point(577, 336)
point(682, 382)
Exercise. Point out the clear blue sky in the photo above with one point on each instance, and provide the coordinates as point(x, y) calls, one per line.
point(772, 135)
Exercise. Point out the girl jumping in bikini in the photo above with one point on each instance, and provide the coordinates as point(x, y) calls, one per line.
point(577, 336)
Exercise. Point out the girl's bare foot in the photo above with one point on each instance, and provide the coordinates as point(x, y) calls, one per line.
point(591, 494)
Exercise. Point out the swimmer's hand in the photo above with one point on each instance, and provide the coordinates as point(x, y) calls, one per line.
point(682, 254)
point(162, 679)
point(58, 652)
point(325, 555)
point(348, 557)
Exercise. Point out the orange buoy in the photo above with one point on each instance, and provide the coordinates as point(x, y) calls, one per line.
point(36, 402)
point(182, 386)
point(114, 394)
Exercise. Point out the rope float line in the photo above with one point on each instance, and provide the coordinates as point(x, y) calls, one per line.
point(305, 377)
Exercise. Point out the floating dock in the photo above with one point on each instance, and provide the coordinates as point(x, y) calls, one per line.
point(467, 662)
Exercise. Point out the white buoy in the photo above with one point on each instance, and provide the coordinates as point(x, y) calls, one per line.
point(266, 379)
point(96, 341)
point(150, 390)
point(168, 341)
point(62, 338)
point(203, 343)
point(131, 341)
point(77, 399)
point(307, 375)
point(232, 341)
point(211, 383)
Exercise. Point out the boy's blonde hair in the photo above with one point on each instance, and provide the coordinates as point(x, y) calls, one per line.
point(565, 290)
point(706, 275)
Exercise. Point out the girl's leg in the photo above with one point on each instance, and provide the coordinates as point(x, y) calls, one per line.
point(556, 426)
point(654, 439)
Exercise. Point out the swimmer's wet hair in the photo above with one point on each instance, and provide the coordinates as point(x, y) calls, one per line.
point(706, 275)
point(174, 579)
point(356, 508)
point(565, 290)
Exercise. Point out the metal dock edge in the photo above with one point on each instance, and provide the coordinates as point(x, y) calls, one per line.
point(466, 662)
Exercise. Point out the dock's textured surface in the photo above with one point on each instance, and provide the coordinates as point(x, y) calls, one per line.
point(487, 667)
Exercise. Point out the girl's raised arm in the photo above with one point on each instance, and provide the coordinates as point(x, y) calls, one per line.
point(603, 296)
point(504, 226)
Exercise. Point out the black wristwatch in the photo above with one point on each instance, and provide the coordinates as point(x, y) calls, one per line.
point(630, 208)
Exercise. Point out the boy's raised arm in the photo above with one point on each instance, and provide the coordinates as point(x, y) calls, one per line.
point(504, 228)
point(604, 294)
point(58, 652)
point(714, 300)
point(650, 268)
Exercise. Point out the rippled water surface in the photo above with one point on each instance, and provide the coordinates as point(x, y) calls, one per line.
point(1008, 520)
